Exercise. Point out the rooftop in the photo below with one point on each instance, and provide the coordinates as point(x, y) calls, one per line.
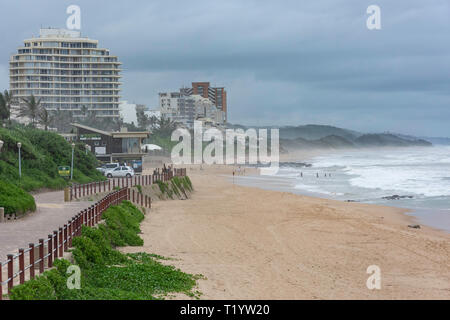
point(58, 33)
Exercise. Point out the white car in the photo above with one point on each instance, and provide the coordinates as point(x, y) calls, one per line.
point(122, 171)
point(107, 167)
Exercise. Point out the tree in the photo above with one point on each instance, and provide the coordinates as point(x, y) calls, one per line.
point(31, 108)
point(6, 101)
point(3, 110)
point(45, 118)
point(142, 119)
point(163, 126)
point(62, 120)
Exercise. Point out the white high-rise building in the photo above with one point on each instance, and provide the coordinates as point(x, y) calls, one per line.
point(67, 72)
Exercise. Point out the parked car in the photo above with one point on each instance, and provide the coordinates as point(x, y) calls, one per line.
point(107, 167)
point(122, 171)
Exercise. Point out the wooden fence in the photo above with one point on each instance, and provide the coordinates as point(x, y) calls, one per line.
point(39, 256)
point(83, 190)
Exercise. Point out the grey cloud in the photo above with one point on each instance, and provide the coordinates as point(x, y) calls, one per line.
point(284, 62)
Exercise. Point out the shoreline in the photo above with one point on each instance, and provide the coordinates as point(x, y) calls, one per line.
point(408, 212)
point(252, 243)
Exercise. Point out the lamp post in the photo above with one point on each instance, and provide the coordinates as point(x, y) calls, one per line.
point(19, 145)
point(71, 170)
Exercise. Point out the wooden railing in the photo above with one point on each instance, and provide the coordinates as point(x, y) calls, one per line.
point(83, 190)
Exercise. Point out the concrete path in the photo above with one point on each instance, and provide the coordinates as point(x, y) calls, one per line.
point(51, 213)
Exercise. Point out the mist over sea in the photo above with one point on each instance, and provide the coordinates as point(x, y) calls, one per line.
point(420, 177)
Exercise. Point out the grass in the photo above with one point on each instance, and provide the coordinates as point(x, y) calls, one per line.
point(106, 273)
point(14, 199)
point(176, 186)
point(41, 153)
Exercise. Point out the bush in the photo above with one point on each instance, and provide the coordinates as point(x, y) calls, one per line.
point(14, 199)
point(39, 288)
point(41, 153)
point(122, 224)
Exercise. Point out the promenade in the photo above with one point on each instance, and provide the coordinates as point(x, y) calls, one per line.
point(51, 213)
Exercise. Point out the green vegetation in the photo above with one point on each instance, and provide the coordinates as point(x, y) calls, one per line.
point(176, 186)
point(106, 273)
point(42, 152)
point(165, 189)
point(139, 188)
point(14, 199)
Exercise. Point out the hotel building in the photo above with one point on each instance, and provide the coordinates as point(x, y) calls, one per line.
point(67, 72)
point(218, 96)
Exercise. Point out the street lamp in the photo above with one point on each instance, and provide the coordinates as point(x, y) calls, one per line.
point(71, 171)
point(19, 145)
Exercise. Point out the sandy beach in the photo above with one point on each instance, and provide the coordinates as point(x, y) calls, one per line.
point(257, 244)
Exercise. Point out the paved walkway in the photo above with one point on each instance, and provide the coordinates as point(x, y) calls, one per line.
point(51, 213)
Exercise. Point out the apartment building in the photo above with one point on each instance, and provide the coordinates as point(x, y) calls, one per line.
point(67, 71)
point(217, 95)
point(185, 109)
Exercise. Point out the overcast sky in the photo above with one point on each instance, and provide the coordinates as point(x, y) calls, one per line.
point(282, 62)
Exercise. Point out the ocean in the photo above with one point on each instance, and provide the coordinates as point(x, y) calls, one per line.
point(412, 178)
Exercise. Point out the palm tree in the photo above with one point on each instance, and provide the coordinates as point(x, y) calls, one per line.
point(9, 99)
point(31, 108)
point(3, 110)
point(164, 127)
point(45, 118)
point(62, 119)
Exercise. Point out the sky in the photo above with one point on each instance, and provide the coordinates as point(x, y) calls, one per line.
point(281, 62)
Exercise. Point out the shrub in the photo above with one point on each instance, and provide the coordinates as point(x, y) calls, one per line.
point(14, 199)
point(39, 288)
point(122, 223)
point(41, 153)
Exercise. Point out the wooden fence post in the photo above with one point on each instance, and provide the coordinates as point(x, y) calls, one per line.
point(41, 256)
point(50, 251)
point(32, 260)
point(55, 243)
point(70, 235)
point(21, 266)
point(61, 243)
point(10, 258)
point(65, 237)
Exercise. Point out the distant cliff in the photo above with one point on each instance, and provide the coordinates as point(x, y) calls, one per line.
point(329, 137)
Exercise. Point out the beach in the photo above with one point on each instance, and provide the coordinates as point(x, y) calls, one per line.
point(250, 243)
